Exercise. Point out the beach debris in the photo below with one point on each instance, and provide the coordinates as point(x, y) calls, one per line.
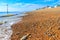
point(17, 33)
point(5, 22)
point(59, 28)
point(1, 23)
point(25, 37)
point(8, 15)
point(48, 7)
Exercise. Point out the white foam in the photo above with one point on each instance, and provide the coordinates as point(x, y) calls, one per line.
point(5, 33)
point(5, 30)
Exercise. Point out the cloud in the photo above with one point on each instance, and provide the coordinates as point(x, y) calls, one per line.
point(56, 2)
point(27, 6)
point(19, 7)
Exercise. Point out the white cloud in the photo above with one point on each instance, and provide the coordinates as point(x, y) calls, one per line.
point(23, 6)
point(19, 7)
point(57, 2)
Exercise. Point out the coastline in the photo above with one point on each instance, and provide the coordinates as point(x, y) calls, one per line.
point(5, 27)
point(38, 25)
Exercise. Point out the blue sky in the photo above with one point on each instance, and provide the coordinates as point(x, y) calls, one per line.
point(26, 5)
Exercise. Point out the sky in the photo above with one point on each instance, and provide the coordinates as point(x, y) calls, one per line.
point(25, 5)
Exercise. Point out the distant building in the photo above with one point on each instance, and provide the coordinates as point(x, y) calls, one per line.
point(52, 6)
point(38, 9)
point(48, 7)
point(43, 7)
point(58, 5)
point(55, 6)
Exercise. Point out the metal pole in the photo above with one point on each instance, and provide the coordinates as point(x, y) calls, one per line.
point(7, 8)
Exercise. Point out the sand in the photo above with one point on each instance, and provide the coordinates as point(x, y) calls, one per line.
point(41, 24)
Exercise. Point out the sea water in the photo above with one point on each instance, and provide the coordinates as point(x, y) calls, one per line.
point(12, 17)
point(5, 28)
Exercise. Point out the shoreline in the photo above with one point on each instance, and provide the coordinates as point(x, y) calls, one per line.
point(38, 25)
point(5, 27)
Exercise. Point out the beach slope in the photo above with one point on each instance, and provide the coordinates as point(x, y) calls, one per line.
point(41, 24)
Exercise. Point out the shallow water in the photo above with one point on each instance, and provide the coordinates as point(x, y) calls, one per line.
point(5, 29)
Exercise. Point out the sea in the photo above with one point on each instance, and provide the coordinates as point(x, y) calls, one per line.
point(11, 17)
point(7, 23)
point(5, 13)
